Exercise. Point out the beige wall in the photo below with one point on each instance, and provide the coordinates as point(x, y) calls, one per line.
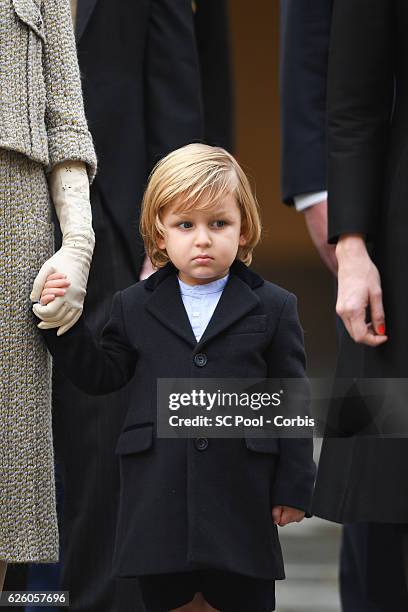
point(255, 46)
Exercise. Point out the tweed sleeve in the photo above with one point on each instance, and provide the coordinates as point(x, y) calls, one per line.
point(67, 130)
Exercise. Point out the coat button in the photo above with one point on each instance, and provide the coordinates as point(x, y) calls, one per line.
point(201, 444)
point(200, 360)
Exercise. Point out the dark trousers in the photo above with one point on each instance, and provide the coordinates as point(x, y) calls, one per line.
point(16, 580)
point(86, 430)
point(224, 591)
point(373, 568)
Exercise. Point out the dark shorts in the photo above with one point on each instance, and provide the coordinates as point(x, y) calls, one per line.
point(224, 591)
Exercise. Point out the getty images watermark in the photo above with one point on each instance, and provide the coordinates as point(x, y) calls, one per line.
point(214, 401)
point(282, 408)
point(225, 407)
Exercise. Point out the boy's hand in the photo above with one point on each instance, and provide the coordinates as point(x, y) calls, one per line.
point(283, 515)
point(55, 284)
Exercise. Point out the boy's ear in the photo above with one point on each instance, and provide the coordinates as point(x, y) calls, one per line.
point(243, 240)
point(160, 242)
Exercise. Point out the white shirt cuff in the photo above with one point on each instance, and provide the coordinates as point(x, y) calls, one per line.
point(306, 200)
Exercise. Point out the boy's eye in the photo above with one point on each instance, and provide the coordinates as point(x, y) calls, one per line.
point(219, 223)
point(185, 224)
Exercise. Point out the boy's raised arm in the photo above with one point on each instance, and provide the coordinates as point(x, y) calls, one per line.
point(97, 368)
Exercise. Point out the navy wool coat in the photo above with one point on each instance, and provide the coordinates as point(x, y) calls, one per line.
point(185, 505)
point(364, 478)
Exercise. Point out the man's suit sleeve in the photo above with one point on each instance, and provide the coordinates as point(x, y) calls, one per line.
point(305, 30)
point(174, 113)
point(97, 368)
point(360, 98)
point(294, 480)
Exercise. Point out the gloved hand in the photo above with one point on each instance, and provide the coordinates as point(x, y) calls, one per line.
point(69, 189)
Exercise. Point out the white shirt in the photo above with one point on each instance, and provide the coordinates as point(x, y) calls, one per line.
point(200, 301)
point(306, 200)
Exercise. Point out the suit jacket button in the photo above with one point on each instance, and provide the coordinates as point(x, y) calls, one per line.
point(200, 360)
point(201, 444)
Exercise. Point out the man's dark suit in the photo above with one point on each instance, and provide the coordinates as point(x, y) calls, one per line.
point(371, 570)
point(212, 34)
point(142, 97)
point(305, 29)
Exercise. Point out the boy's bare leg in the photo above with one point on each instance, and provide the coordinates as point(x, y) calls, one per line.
point(3, 568)
point(198, 604)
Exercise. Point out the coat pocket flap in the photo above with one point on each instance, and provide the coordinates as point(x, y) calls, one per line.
point(29, 13)
point(263, 445)
point(253, 324)
point(135, 440)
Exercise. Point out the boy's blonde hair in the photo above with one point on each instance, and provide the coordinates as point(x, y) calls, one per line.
point(197, 177)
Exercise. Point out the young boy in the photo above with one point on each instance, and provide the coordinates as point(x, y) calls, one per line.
point(196, 515)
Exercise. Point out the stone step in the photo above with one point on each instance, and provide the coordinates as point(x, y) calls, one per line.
point(305, 595)
point(311, 551)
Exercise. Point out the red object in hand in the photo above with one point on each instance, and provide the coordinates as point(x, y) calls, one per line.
point(381, 329)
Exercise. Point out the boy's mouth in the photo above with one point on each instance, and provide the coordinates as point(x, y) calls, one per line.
point(203, 258)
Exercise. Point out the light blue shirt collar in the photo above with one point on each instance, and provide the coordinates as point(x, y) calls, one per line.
point(216, 286)
point(200, 302)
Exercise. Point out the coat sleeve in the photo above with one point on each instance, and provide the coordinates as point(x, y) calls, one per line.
point(67, 130)
point(360, 98)
point(97, 368)
point(294, 481)
point(305, 29)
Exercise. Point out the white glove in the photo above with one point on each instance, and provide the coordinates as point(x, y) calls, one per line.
point(69, 189)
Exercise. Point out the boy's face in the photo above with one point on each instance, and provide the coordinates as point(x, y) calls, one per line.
point(202, 244)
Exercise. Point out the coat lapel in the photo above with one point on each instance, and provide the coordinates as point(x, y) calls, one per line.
point(84, 12)
point(166, 304)
point(236, 301)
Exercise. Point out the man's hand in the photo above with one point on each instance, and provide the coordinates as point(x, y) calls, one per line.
point(283, 515)
point(316, 222)
point(359, 288)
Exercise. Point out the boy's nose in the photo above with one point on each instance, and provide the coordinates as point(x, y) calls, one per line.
point(202, 237)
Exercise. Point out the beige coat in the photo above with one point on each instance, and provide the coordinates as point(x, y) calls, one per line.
point(41, 110)
point(42, 122)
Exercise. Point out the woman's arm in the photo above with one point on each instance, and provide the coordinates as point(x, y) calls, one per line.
point(69, 190)
point(360, 99)
point(359, 105)
point(67, 130)
point(71, 161)
point(359, 288)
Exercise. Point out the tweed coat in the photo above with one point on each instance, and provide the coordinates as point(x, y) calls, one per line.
point(41, 110)
point(42, 123)
point(184, 503)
